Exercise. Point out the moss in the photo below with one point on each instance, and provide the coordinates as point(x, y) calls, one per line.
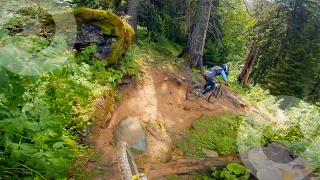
point(110, 29)
point(29, 14)
point(41, 14)
point(110, 24)
point(93, 14)
point(116, 51)
point(129, 32)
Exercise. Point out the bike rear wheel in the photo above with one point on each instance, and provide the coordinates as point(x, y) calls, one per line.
point(215, 95)
point(194, 92)
point(128, 167)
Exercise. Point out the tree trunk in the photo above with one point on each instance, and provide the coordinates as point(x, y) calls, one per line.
point(195, 45)
point(252, 56)
point(133, 13)
point(117, 4)
point(313, 95)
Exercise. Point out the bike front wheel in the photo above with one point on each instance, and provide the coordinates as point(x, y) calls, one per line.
point(194, 92)
point(215, 95)
point(128, 167)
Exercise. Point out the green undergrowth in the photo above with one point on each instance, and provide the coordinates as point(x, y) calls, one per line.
point(42, 116)
point(159, 44)
point(78, 168)
point(232, 171)
point(218, 133)
point(291, 121)
point(140, 157)
point(151, 52)
point(229, 134)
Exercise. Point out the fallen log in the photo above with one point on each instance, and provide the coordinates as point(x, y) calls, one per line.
point(188, 165)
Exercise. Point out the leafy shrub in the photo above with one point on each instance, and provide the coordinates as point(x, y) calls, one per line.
point(41, 116)
point(159, 43)
point(298, 129)
point(167, 47)
point(129, 65)
point(233, 171)
point(33, 144)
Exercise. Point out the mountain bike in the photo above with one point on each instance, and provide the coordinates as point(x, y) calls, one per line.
point(195, 92)
point(128, 167)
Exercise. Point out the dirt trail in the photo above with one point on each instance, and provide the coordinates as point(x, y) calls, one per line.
point(161, 98)
point(158, 97)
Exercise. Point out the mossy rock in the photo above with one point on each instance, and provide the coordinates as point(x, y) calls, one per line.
point(107, 31)
point(116, 34)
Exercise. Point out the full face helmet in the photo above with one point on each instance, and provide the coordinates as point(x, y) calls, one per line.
point(225, 67)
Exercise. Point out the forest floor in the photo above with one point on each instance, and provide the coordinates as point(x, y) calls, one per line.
point(158, 96)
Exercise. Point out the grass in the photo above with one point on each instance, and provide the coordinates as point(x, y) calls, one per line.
point(217, 133)
point(161, 44)
point(78, 169)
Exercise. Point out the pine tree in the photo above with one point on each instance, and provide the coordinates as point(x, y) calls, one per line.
point(288, 36)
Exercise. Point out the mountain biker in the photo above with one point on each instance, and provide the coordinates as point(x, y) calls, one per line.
point(211, 73)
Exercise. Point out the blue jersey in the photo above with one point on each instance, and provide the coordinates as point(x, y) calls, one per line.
point(216, 71)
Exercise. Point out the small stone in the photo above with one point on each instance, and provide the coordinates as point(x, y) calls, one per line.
point(242, 105)
point(165, 79)
point(210, 153)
